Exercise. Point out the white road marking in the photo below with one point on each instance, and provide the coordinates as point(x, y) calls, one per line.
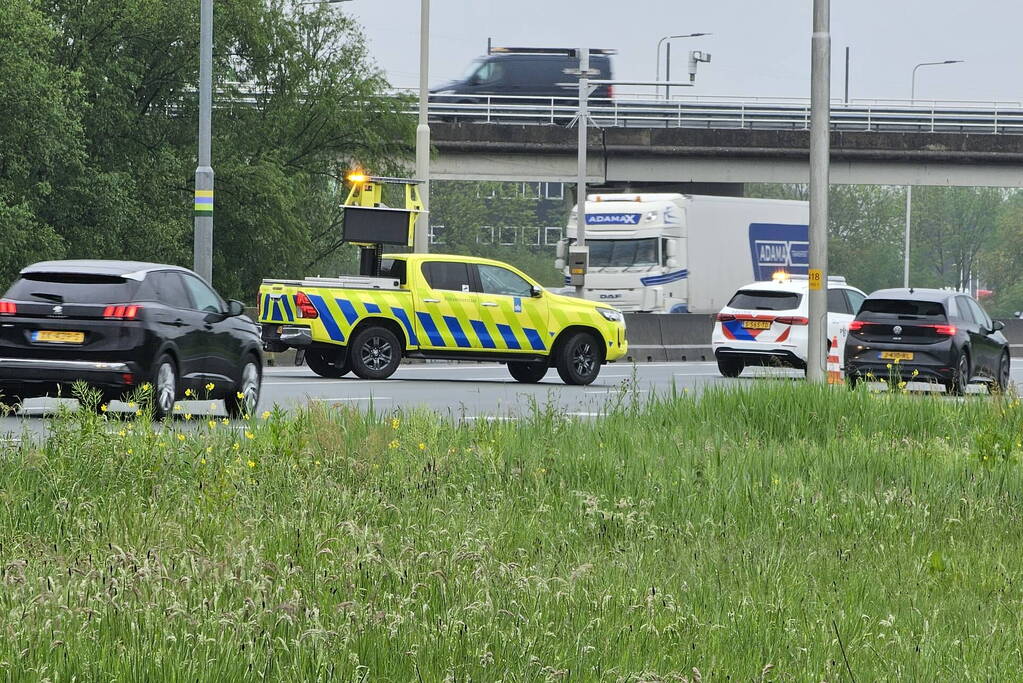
point(352, 398)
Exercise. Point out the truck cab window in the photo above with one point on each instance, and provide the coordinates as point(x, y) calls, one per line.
point(447, 275)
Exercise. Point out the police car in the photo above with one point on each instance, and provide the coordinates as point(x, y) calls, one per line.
point(765, 323)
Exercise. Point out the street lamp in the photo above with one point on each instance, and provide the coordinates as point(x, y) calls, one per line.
point(657, 76)
point(909, 188)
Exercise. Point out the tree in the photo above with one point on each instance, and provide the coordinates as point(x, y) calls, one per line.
point(40, 136)
point(119, 167)
point(468, 210)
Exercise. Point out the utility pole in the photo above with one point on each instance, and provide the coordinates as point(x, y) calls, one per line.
point(584, 117)
point(202, 241)
point(421, 239)
point(847, 74)
point(820, 148)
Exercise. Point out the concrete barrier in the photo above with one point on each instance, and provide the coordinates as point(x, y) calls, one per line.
point(657, 337)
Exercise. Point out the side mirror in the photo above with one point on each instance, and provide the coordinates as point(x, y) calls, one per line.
point(235, 307)
point(535, 291)
point(1018, 314)
point(997, 325)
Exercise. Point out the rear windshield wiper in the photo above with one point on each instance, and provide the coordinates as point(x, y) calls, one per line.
point(56, 298)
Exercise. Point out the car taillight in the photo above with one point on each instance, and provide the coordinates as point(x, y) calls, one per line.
point(725, 317)
point(943, 330)
point(857, 326)
point(792, 320)
point(8, 308)
point(122, 312)
point(610, 91)
point(305, 306)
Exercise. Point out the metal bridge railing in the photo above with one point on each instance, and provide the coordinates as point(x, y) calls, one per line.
point(735, 113)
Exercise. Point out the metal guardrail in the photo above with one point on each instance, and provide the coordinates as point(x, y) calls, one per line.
point(735, 113)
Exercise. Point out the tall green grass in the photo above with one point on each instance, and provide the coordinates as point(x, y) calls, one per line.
point(777, 532)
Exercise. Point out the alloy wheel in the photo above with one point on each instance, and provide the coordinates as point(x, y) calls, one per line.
point(583, 358)
point(376, 353)
point(165, 388)
point(249, 388)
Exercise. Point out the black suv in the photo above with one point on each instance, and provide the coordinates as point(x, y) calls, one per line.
point(926, 335)
point(523, 76)
point(120, 324)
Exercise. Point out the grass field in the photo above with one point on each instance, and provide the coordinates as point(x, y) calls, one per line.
point(777, 532)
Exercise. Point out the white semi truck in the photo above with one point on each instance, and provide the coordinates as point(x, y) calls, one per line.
point(675, 253)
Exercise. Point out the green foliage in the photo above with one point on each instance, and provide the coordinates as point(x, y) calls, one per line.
point(464, 207)
point(98, 131)
point(734, 534)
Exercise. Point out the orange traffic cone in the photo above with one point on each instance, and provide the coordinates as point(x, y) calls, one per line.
point(834, 364)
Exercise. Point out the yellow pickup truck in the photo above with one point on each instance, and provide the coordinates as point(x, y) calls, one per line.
point(439, 306)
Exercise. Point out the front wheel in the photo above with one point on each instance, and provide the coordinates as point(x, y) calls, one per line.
point(578, 359)
point(1003, 373)
point(165, 387)
point(375, 353)
point(961, 376)
point(527, 373)
point(331, 363)
point(730, 367)
point(245, 398)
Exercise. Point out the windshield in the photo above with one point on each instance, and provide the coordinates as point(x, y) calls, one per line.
point(623, 253)
point(765, 301)
point(902, 309)
point(471, 69)
point(72, 288)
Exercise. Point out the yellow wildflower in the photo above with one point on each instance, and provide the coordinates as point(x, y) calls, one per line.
point(138, 411)
point(236, 446)
point(181, 437)
point(147, 386)
point(240, 396)
point(188, 392)
point(104, 408)
point(889, 366)
point(224, 420)
point(212, 424)
point(317, 463)
point(202, 461)
point(422, 446)
point(251, 464)
point(249, 435)
point(394, 444)
point(122, 433)
point(130, 451)
point(266, 414)
point(915, 373)
point(395, 422)
point(188, 416)
point(209, 449)
point(210, 386)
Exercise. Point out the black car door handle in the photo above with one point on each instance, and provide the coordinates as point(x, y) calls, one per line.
point(207, 326)
point(174, 323)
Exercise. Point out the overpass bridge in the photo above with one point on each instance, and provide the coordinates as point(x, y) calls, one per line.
point(693, 140)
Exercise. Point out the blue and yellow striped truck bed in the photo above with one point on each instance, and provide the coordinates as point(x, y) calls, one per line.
point(438, 306)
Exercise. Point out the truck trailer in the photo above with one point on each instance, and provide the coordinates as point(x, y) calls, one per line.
point(675, 253)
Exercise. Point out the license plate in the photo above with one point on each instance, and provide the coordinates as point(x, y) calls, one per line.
point(58, 337)
point(896, 355)
point(757, 324)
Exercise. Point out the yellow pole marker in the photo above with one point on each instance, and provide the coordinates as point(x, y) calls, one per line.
point(815, 278)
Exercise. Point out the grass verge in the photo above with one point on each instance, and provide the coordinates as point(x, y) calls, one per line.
point(775, 532)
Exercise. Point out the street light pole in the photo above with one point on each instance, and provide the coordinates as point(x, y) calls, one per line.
point(202, 241)
point(580, 188)
point(421, 240)
point(909, 188)
point(820, 151)
point(657, 73)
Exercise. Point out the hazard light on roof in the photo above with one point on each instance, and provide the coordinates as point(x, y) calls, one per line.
point(779, 276)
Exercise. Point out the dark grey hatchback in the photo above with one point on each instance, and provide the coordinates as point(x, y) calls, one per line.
point(926, 335)
point(117, 325)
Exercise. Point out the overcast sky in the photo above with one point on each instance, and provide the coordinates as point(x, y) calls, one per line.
point(759, 47)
